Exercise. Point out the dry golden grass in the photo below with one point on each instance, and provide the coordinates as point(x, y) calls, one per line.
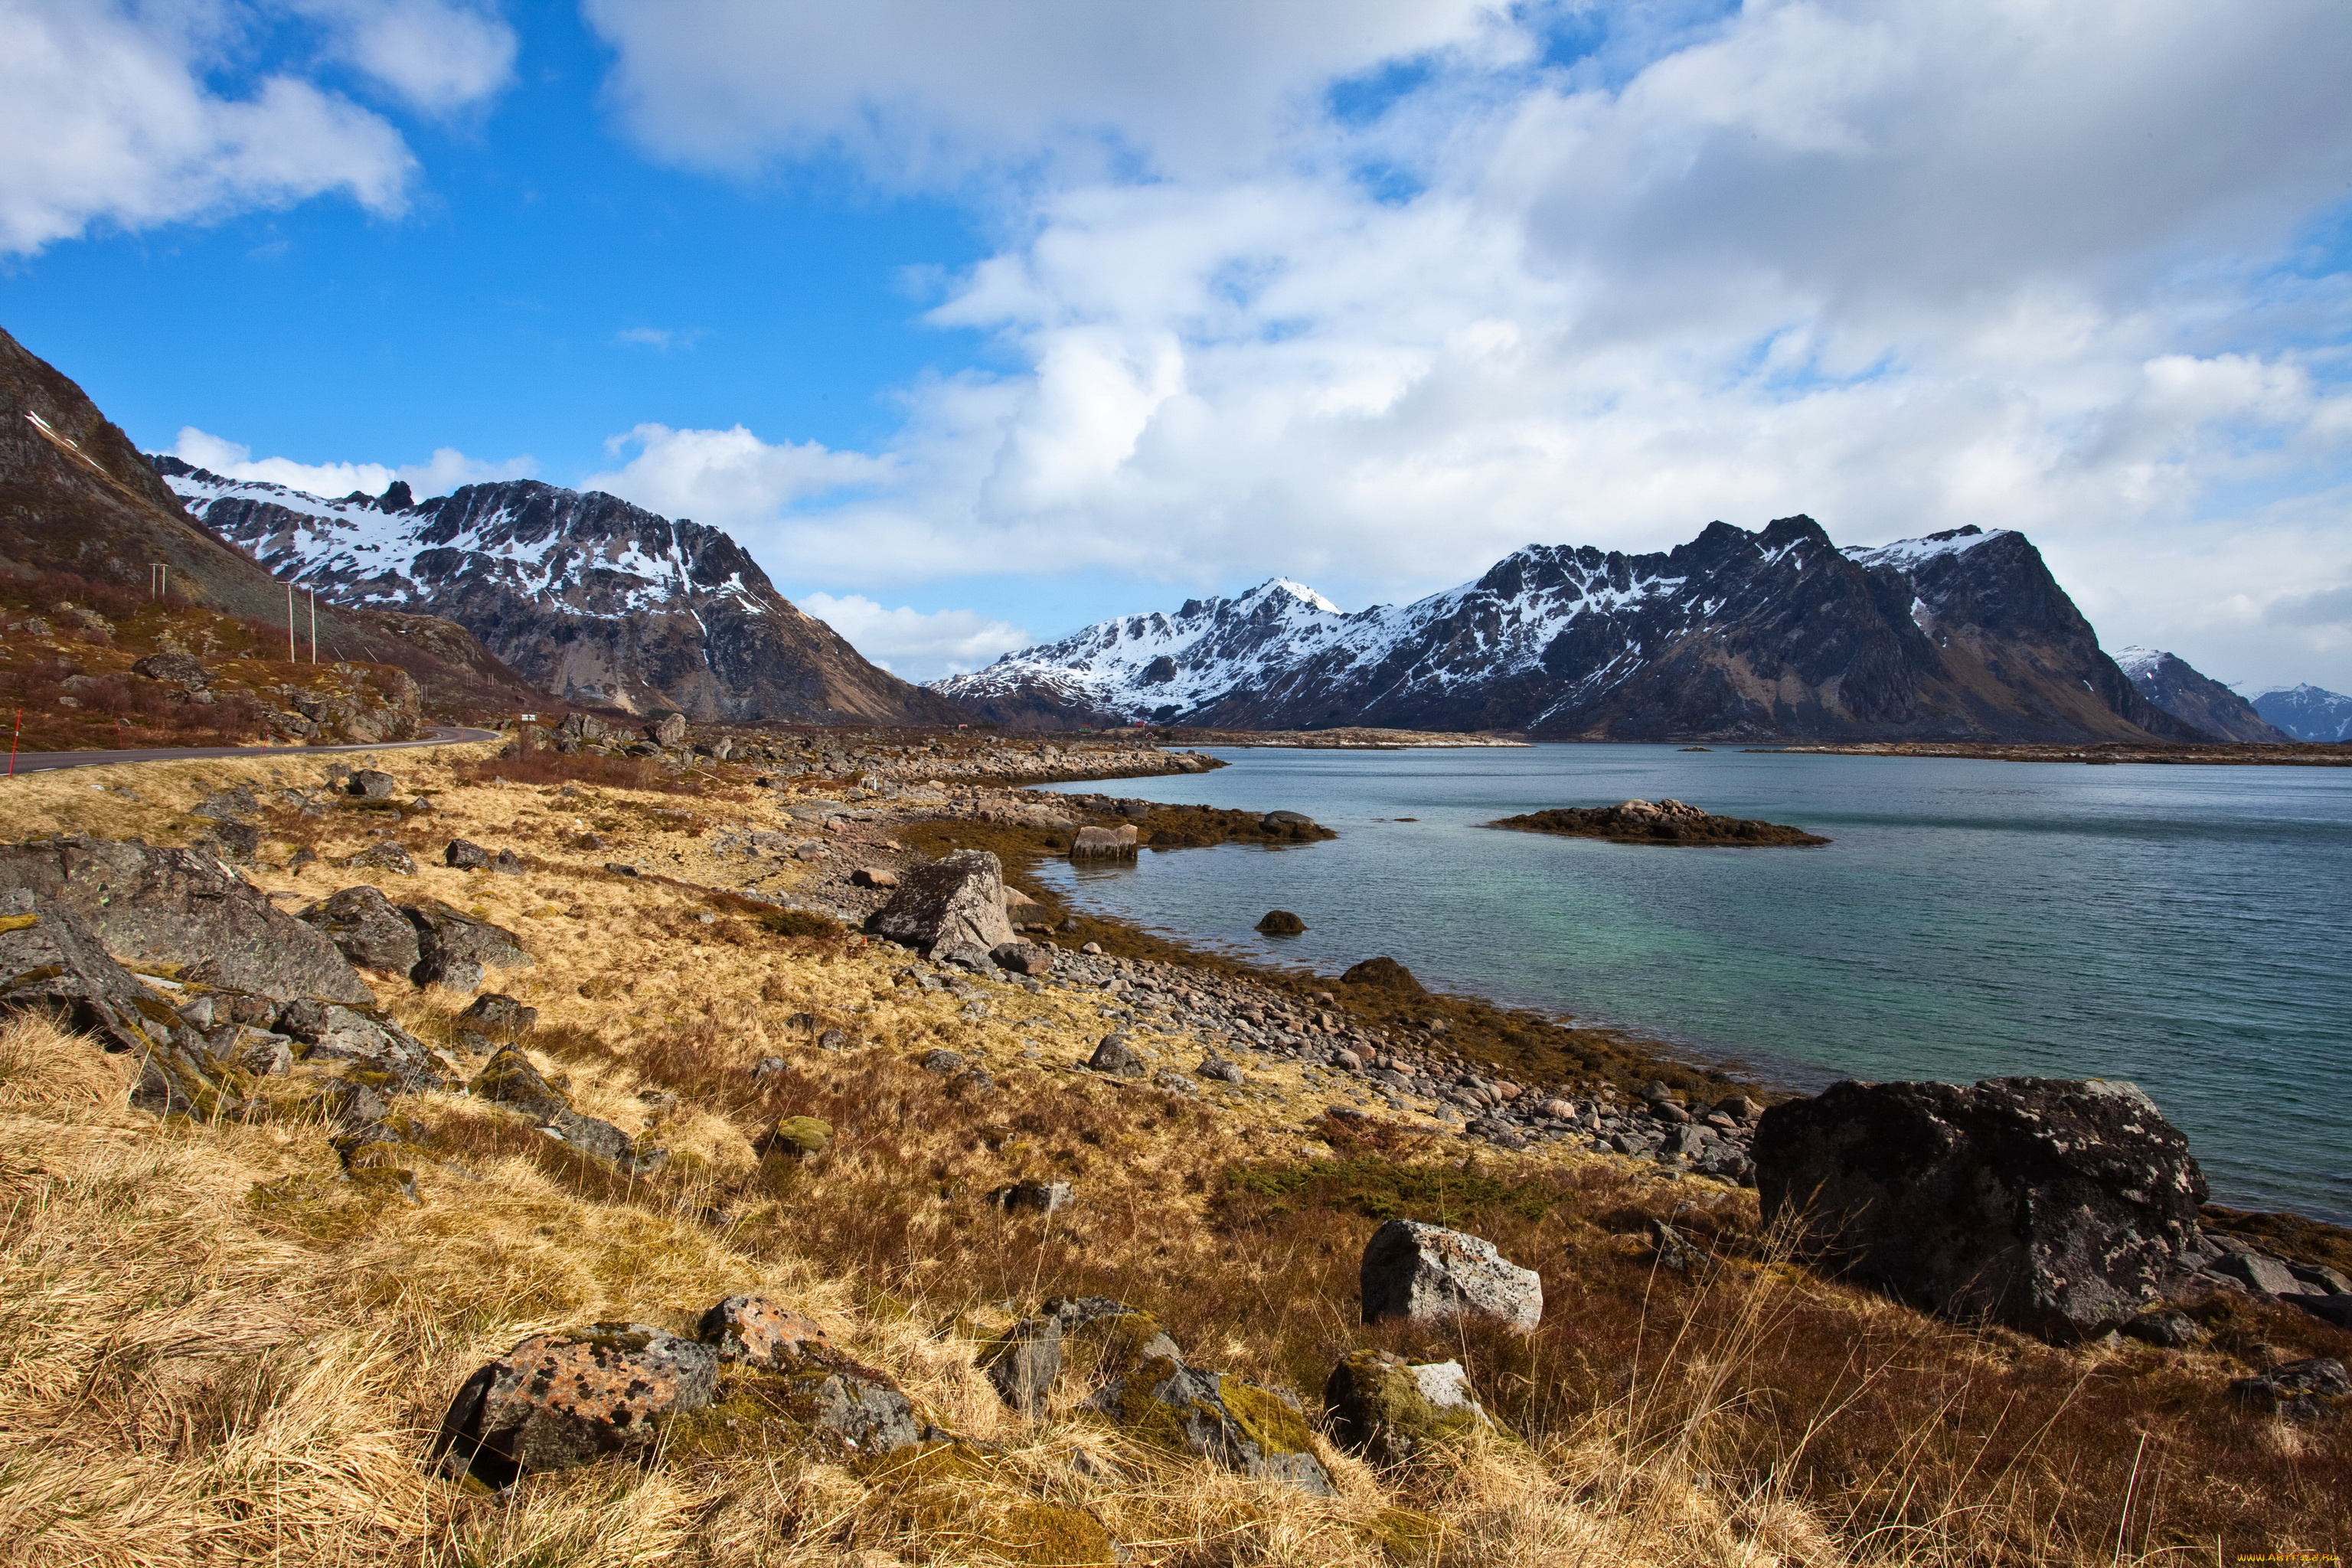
point(217, 1351)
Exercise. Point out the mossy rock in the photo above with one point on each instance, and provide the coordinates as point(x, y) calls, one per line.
point(798, 1137)
point(1393, 1410)
point(1176, 1409)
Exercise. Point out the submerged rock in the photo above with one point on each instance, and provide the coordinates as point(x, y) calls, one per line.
point(2055, 1206)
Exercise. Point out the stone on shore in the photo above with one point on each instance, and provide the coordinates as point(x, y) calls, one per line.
point(1426, 1274)
point(1280, 923)
point(2055, 1206)
point(1113, 1056)
point(1104, 843)
point(954, 903)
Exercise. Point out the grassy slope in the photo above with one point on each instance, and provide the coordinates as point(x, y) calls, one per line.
point(215, 1351)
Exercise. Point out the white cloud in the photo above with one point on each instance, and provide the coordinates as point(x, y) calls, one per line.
point(912, 643)
point(1902, 267)
point(726, 478)
point(436, 55)
point(132, 115)
point(661, 340)
point(446, 470)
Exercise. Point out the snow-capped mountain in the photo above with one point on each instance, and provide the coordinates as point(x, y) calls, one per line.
point(596, 600)
point(2307, 712)
point(1734, 635)
point(2174, 685)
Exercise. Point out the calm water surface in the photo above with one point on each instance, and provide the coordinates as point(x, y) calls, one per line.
point(2183, 927)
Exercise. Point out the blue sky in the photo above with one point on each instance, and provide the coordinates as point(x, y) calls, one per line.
point(980, 321)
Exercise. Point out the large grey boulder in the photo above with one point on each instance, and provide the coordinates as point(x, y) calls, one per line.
point(955, 901)
point(331, 1032)
point(366, 929)
point(2055, 1206)
point(181, 908)
point(453, 948)
point(50, 963)
point(1427, 1273)
point(555, 1400)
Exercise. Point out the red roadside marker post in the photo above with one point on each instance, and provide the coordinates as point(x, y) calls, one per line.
point(13, 739)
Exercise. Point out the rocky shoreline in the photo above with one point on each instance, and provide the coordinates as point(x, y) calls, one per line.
point(2293, 754)
point(1661, 822)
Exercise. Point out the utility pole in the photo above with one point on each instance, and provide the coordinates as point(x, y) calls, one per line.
point(159, 580)
point(291, 657)
point(314, 626)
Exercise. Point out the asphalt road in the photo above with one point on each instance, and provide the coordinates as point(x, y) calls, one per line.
point(44, 761)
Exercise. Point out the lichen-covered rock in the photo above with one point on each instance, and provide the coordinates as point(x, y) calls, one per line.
point(332, 1033)
point(465, 855)
point(2055, 1206)
point(453, 946)
point(1427, 1273)
point(366, 929)
point(2309, 1390)
point(954, 903)
point(508, 1079)
point(181, 909)
point(494, 1016)
point(1114, 1056)
point(1234, 1424)
point(389, 856)
point(50, 963)
point(373, 784)
point(1023, 1362)
point(797, 1137)
point(1391, 1410)
point(760, 1332)
point(1040, 1197)
point(556, 1401)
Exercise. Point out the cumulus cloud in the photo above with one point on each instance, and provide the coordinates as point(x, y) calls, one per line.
point(135, 115)
point(1393, 300)
point(445, 471)
point(915, 645)
point(726, 478)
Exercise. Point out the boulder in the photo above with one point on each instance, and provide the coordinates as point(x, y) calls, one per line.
point(389, 856)
point(449, 940)
point(373, 784)
point(508, 1079)
point(1391, 1410)
point(494, 1016)
point(555, 1400)
point(1039, 1197)
point(1113, 1056)
point(2055, 1206)
point(178, 908)
point(50, 963)
point(757, 1332)
point(1293, 823)
point(1023, 958)
point(1024, 1362)
point(1025, 913)
point(331, 1032)
point(181, 669)
point(666, 728)
point(1280, 923)
point(1238, 1424)
point(1104, 843)
point(954, 903)
point(796, 1137)
point(2309, 1390)
point(872, 877)
point(1383, 975)
point(1213, 1066)
point(465, 855)
point(1425, 1273)
point(366, 929)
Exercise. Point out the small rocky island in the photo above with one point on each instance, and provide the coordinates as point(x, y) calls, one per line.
point(1659, 822)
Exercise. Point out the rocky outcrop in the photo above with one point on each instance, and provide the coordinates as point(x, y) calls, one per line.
point(593, 599)
point(2058, 1207)
point(2167, 681)
point(54, 965)
point(508, 1079)
point(183, 910)
point(1659, 822)
point(1393, 1410)
point(1737, 636)
point(366, 929)
point(1426, 1274)
point(953, 905)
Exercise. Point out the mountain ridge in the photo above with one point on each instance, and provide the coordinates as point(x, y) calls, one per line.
point(597, 601)
point(2174, 685)
point(2305, 711)
point(1733, 636)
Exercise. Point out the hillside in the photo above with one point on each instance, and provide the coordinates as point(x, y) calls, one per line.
point(596, 600)
point(236, 1334)
point(2173, 684)
point(1735, 636)
point(77, 498)
point(2307, 713)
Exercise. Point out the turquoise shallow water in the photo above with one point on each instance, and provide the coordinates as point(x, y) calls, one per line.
point(2183, 927)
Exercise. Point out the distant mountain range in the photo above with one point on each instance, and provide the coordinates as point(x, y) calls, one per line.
point(594, 600)
point(2307, 712)
point(2167, 681)
point(1735, 636)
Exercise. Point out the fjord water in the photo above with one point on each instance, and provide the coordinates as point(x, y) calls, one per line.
point(2183, 927)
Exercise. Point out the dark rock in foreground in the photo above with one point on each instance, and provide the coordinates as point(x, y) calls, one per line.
point(560, 1400)
point(1663, 822)
point(955, 903)
point(2059, 1207)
